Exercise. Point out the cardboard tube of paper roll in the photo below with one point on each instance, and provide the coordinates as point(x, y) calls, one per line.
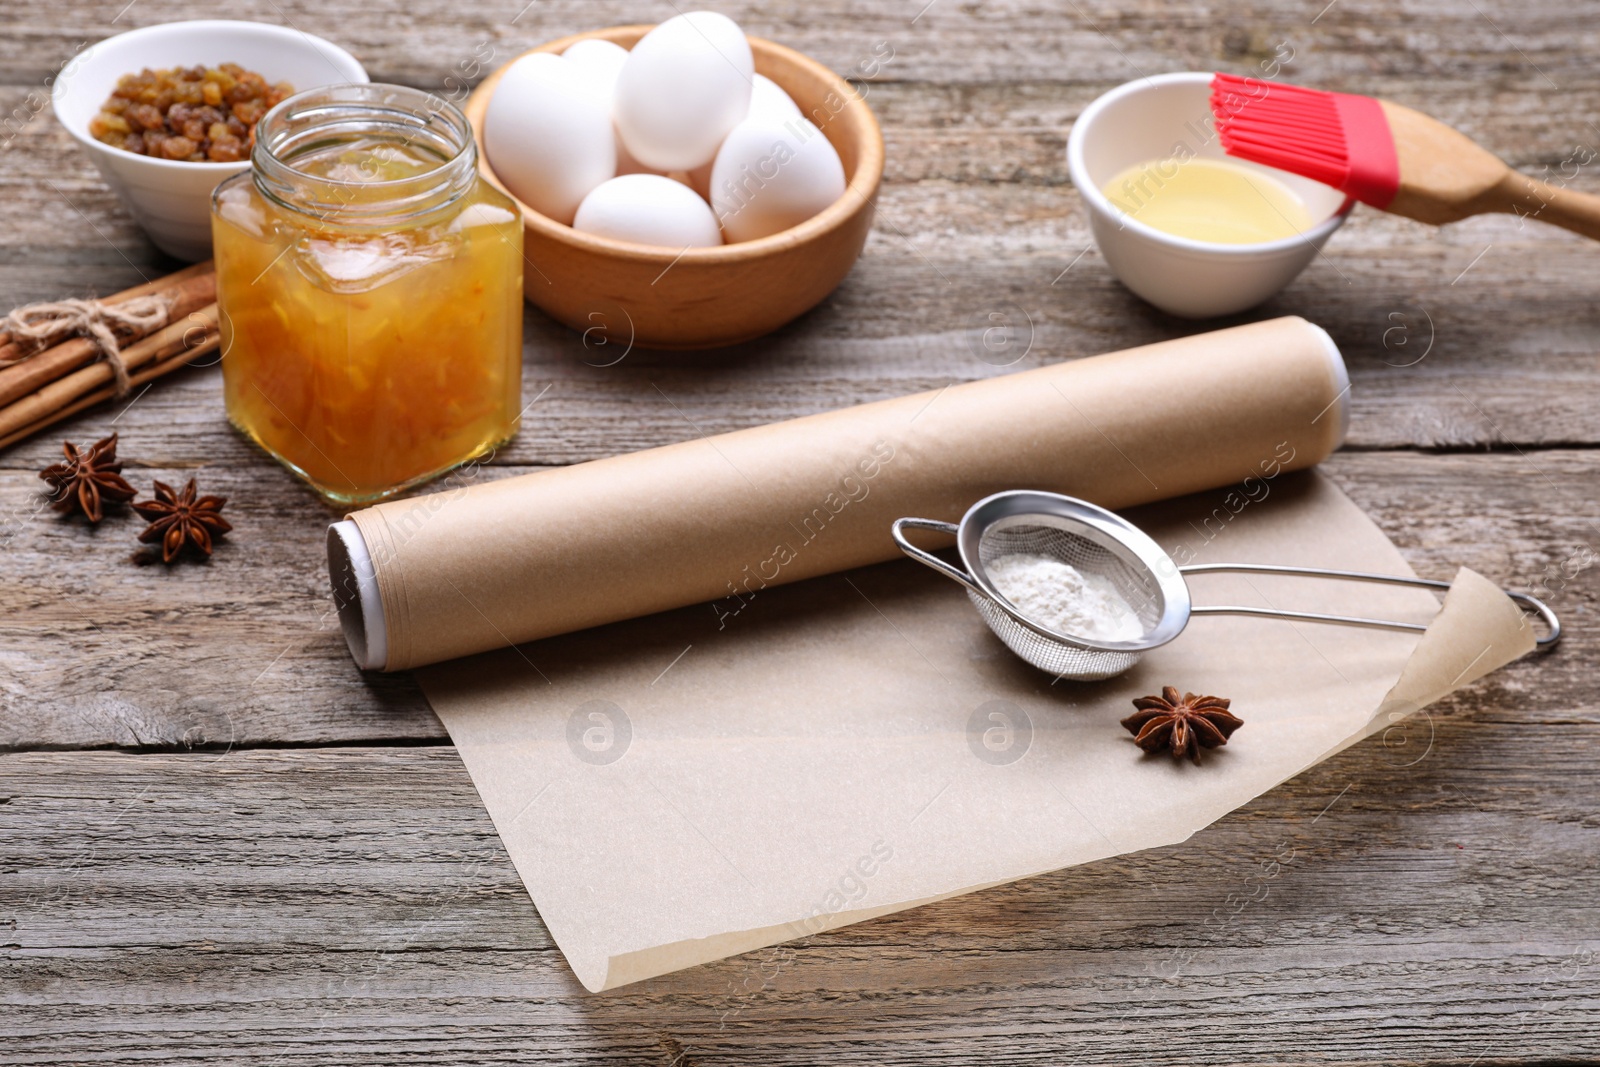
point(718, 519)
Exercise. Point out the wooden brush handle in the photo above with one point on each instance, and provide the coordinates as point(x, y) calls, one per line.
point(1529, 198)
point(1445, 176)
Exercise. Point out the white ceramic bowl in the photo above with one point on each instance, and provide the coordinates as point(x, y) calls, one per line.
point(172, 199)
point(1147, 120)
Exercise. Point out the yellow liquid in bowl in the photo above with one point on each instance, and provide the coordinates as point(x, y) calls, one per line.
point(1211, 200)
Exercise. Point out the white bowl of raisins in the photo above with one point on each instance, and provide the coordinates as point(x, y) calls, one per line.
point(168, 111)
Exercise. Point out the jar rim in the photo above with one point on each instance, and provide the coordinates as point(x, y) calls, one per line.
point(400, 113)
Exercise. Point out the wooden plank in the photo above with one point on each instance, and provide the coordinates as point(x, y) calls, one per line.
point(343, 906)
point(1491, 41)
point(245, 650)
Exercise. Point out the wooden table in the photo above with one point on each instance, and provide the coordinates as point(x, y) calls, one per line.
point(220, 842)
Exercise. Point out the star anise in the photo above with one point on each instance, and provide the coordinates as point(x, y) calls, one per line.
point(87, 478)
point(1185, 724)
point(179, 519)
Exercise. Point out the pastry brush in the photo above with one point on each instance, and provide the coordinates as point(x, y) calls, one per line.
point(1385, 155)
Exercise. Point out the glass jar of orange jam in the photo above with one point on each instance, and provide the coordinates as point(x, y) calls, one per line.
point(369, 284)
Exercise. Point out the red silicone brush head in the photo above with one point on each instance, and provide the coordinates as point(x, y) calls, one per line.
point(1333, 138)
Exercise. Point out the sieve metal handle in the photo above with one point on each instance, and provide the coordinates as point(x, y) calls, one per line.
point(928, 559)
point(1531, 603)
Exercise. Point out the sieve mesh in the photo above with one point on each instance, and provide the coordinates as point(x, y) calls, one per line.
point(1063, 540)
point(1099, 544)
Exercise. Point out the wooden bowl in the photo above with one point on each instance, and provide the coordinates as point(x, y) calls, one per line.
point(706, 297)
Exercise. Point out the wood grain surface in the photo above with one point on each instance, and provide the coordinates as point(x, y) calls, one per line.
point(219, 842)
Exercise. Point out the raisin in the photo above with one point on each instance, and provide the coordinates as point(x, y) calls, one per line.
point(144, 117)
point(227, 150)
point(249, 112)
point(105, 123)
point(177, 148)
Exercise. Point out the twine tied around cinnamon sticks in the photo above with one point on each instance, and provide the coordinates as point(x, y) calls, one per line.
point(58, 358)
point(43, 324)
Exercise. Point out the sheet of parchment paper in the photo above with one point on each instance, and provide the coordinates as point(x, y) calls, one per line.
point(687, 786)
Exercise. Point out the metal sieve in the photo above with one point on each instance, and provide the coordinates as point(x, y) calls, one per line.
point(1096, 542)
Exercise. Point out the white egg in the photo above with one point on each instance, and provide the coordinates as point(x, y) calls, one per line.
point(548, 135)
point(601, 62)
point(769, 101)
point(685, 85)
point(648, 209)
point(602, 59)
point(770, 176)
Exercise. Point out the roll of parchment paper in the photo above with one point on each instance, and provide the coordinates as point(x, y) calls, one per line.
point(718, 519)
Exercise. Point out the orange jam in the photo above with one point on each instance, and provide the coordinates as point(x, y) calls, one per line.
point(370, 290)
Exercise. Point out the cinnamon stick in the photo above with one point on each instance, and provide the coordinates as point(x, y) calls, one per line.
point(149, 373)
point(10, 350)
point(183, 336)
point(189, 289)
point(161, 284)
